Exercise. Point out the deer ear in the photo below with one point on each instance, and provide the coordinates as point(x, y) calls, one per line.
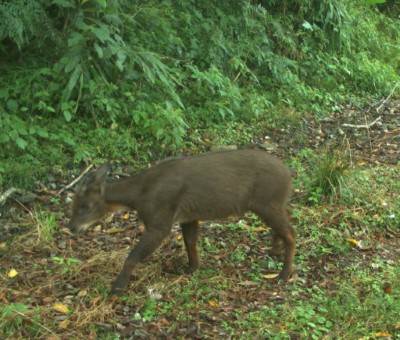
point(101, 173)
point(95, 181)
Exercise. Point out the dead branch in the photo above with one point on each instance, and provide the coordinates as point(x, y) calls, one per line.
point(8, 193)
point(76, 180)
point(363, 126)
point(388, 97)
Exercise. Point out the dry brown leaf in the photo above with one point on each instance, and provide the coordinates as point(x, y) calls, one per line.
point(164, 322)
point(382, 335)
point(82, 293)
point(259, 229)
point(387, 288)
point(48, 299)
point(248, 283)
point(213, 303)
point(64, 324)
point(114, 230)
point(67, 231)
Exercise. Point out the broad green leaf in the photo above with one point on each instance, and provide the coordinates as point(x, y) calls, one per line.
point(67, 115)
point(98, 50)
point(72, 80)
point(12, 105)
point(21, 143)
point(307, 26)
point(72, 63)
point(14, 135)
point(42, 132)
point(4, 138)
point(75, 39)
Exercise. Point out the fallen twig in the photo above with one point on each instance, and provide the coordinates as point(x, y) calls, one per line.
point(75, 180)
point(387, 98)
point(8, 193)
point(363, 126)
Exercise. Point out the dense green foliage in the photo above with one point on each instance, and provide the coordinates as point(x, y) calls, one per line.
point(82, 79)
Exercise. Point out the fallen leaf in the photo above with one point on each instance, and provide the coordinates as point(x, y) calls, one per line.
point(270, 276)
point(359, 244)
point(259, 229)
point(382, 335)
point(48, 299)
point(352, 241)
point(59, 307)
point(12, 273)
point(248, 283)
point(64, 324)
point(67, 231)
point(397, 325)
point(387, 288)
point(126, 216)
point(114, 230)
point(97, 228)
point(164, 322)
point(213, 303)
point(94, 301)
point(3, 244)
point(82, 293)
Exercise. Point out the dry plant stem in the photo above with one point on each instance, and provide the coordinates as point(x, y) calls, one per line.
point(35, 322)
point(76, 180)
point(349, 148)
point(387, 98)
point(363, 126)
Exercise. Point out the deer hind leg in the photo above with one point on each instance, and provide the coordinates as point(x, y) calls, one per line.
point(278, 219)
point(190, 231)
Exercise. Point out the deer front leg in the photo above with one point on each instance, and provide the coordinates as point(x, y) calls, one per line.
point(148, 243)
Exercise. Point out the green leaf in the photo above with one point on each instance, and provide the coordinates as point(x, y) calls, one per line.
point(21, 143)
point(75, 39)
point(4, 138)
point(98, 50)
point(12, 105)
point(64, 3)
point(42, 132)
point(307, 26)
point(67, 115)
point(72, 63)
point(14, 135)
point(72, 81)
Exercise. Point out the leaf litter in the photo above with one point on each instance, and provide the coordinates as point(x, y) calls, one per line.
point(68, 295)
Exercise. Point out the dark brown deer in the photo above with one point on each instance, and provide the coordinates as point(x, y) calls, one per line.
point(186, 190)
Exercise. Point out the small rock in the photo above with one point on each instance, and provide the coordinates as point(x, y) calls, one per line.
point(62, 245)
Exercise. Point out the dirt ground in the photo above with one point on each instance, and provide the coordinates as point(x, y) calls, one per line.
point(66, 280)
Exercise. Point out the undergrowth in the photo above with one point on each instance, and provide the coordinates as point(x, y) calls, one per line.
point(99, 91)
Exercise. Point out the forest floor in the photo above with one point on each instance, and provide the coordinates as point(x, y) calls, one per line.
point(346, 282)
